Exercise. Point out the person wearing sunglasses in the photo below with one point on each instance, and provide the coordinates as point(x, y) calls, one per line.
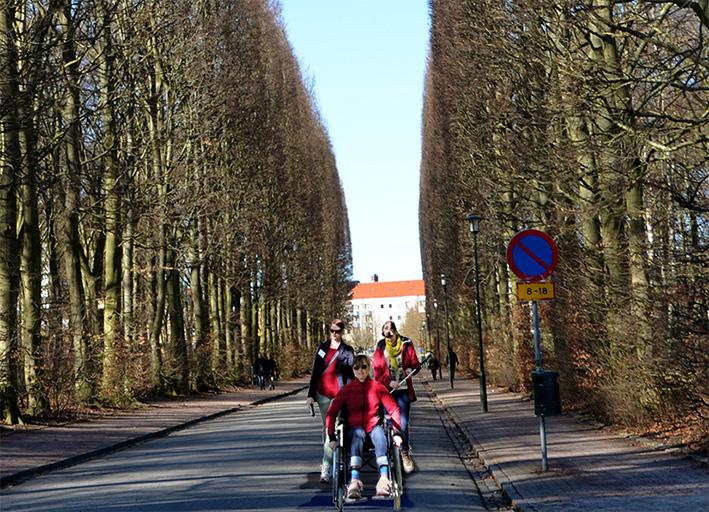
point(332, 369)
point(394, 359)
point(364, 398)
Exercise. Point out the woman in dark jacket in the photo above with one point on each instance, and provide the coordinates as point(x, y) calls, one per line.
point(332, 369)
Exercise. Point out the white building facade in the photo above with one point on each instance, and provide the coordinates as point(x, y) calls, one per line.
point(374, 303)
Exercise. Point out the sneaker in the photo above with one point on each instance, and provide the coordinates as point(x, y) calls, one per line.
point(325, 475)
point(354, 490)
point(407, 461)
point(383, 487)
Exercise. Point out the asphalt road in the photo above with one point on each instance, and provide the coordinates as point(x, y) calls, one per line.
point(265, 458)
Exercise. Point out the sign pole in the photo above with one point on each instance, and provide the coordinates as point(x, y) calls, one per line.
point(538, 364)
point(532, 255)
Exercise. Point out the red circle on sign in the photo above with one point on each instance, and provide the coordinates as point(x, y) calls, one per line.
point(532, 255)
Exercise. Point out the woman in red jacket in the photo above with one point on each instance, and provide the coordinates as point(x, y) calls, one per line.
point(363, 398)
point(394, 359)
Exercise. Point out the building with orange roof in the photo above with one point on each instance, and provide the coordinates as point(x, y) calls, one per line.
point(376, 302)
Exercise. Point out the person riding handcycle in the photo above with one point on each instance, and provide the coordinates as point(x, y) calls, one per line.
point(363, 398)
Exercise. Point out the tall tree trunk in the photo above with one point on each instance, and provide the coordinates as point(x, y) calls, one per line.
point(246, 332)
point(255, 319)
point(216, 324)
point(177, 344)
point(262, 323)
point(159, 309)
point(56, 318)
point(239, 364)
point(199, 339)
point(589, 200)
point(111, 372)
point(309, 331)
point(83, 374)
point(9, 170)
point(604, 54)
point(637, 247)
point(127, 272)
point(31, 271)
point(228, 327)
point(299, 337)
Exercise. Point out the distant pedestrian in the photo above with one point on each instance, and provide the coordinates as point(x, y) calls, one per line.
point(452, 363)
point(394, 359)
point(260, 369)
point(272, 374)
point(332, 369)
point(433, 365)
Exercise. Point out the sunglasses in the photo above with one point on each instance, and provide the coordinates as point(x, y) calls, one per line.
point(336, 331)
point(360, 367)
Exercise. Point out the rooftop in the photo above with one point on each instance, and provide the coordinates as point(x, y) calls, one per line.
point(389, 289)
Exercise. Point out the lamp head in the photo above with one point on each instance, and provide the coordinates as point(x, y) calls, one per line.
point(443, 279)
point(474, 220)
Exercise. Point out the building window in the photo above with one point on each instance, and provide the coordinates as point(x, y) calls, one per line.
point(382, 306)
point(389, 306)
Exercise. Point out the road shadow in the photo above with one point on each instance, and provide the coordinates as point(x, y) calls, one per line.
point(312, 481)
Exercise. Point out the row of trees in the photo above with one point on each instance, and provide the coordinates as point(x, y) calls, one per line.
point(169, 200)
point(587, 120)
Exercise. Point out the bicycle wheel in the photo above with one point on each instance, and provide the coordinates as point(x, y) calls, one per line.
point(338, 479)
point(397, 481)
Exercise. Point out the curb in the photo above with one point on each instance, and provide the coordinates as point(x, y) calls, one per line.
point(505, 484)
point(27, 474)
point(489, 489)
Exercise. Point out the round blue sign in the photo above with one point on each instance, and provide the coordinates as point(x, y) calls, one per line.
point(532, 255)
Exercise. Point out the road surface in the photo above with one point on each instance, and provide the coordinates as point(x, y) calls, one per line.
point(264, 458)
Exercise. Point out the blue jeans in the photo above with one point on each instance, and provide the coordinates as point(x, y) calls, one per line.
point(403, 400)
point(357, 438)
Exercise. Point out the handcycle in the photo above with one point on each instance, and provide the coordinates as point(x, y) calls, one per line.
point(340, 465)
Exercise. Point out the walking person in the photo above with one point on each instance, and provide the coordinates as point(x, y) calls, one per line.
point(332, 369)
point(394, 359)
point(260, 368)
point(452, 363)
point(272, 373)
point(433, 366)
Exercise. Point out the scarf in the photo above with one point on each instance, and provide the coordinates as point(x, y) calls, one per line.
point(394, 351)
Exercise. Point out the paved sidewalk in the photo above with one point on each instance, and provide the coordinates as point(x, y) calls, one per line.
point(589, 468)
point(27, 452)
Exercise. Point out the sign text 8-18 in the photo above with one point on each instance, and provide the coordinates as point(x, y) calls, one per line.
point(535, 291)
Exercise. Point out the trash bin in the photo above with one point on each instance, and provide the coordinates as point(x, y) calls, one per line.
point(546, 393)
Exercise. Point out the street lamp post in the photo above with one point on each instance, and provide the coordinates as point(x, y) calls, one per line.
point(438, 340)
point(424, 343)
point(475, 227)
point(448, 338)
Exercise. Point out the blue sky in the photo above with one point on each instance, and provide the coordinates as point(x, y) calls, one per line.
point(366, 60)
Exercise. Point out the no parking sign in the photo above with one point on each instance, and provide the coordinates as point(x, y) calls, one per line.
point(532, 255)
